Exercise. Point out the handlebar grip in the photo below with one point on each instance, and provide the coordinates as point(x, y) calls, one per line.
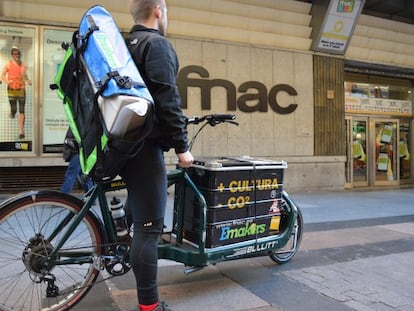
point(191, 120)
point(211, 118)
point(222, 117)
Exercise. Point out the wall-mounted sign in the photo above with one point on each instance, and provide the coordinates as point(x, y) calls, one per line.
point(254, 95)
point(338, 25)
point(394, 107)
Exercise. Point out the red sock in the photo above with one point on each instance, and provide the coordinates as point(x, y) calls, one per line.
point(148, 307)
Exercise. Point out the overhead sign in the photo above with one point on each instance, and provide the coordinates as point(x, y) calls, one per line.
point(338, 26)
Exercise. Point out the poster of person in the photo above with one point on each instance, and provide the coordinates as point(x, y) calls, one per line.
point(55, 123)
point(17, 56)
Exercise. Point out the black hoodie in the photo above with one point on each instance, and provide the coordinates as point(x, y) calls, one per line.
point(158, 64)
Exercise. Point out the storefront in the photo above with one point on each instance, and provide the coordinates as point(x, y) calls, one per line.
point(379, 130)
point(256, 59)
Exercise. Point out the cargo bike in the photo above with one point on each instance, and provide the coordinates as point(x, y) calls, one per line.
point(55, 245)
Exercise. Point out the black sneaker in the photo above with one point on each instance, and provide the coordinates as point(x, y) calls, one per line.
point(162, 306)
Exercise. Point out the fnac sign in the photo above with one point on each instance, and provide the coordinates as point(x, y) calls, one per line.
point(254, 94)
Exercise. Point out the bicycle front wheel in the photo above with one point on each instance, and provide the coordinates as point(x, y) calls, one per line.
point(31, 225)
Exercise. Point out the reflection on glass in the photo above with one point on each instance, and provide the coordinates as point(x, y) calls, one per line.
point(359, 147)
point(385, 151)
point(364, 86)
point(403, 148)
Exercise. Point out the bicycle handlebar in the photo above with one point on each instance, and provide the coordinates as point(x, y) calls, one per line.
point(212, 119)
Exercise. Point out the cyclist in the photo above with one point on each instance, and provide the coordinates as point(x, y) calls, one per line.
point(145, 174)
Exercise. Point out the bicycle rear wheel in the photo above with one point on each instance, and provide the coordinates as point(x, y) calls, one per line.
point(285, 254)
point(30, 226)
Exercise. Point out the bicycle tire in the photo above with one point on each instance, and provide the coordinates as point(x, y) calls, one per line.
point(26, 222)
point(286, 253)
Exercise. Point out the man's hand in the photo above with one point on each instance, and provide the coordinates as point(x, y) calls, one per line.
point(185, 159)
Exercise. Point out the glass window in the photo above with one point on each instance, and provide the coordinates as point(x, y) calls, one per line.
point(390, 88)
point(377, 87)
point(377, 95)
point(54, 120)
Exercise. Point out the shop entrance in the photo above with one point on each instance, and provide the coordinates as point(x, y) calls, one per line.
point(373, 151)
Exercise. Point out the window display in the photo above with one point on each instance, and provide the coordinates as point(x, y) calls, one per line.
point(359, 150)
point(385, 146)
point(55, 124)
point(17, 87)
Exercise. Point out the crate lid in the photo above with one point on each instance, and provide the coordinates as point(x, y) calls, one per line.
point(232, 163)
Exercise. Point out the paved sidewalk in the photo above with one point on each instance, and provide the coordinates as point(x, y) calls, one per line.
point(356, 254)
point(360, 246)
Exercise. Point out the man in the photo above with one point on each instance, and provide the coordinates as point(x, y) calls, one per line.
point(74, 170)
point(14, 75)
point(145, 175)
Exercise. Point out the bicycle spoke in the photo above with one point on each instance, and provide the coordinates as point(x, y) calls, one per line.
point(29, 280)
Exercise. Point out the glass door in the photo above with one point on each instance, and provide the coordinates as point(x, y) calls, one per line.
point(404, 148)
point(359, 151)
point(348, 162)
point(386, 171)
point(356, 166)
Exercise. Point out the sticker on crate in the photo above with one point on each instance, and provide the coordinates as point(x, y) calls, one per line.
point(275, 223)
point(241, 230)
point(248, 228)
point(229, 232)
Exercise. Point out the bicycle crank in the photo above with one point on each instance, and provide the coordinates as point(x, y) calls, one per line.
point(117, 262)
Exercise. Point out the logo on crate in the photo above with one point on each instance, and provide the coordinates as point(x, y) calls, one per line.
point(261, 247)
point(238, 202)
point(246, 185)
point(250, 228)
point(254, 249)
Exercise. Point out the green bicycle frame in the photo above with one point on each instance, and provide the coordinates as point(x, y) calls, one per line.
point(96, 193)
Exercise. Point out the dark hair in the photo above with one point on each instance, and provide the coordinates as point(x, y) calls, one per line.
point(14, 50)
point(142, 9)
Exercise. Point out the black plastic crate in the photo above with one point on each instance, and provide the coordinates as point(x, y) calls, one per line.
point(235, 189)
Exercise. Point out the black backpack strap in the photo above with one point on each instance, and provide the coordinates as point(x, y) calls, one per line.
point(99, 169)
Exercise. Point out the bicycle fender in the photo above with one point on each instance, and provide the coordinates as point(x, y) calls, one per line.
point(33, 194)
point(37, 195)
